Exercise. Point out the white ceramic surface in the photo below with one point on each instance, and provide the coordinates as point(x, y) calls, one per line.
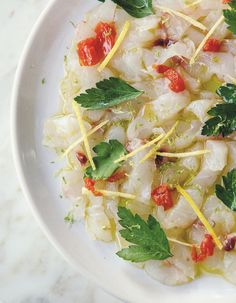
point(33, 102)
point(31, 270)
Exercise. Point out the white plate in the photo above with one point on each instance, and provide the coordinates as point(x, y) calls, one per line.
point(33, 103)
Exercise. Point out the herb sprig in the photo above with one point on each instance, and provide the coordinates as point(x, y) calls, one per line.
point(227, 193)
point(107, 153)
point(108, 93)
point(224, 115)
point(149, 239)
point(230, 16)
point(137, 8)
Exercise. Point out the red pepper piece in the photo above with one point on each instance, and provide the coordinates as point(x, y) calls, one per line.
point(106, 34)
point(81, 158)
point(116, 177)
point(206, 249)
point(90, 185)
point(212, 45)
point(162, 196)
point(161, 69)
point(177, 84)
point(94, 49)
point(90, 52)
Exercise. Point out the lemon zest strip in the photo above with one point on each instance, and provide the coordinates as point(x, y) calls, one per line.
point(115, 47)
point(134, 152)
point(80, 140)
point(111, 193)
point(200, 215)
point(153, 150)
point(209, 34)
point(78, 113)
point(183, 16)
point(184, 155)
point(182, 243)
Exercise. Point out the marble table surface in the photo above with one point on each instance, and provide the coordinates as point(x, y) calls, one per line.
point(31, 270)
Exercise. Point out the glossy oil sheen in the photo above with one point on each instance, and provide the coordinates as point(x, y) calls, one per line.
point(32, 104)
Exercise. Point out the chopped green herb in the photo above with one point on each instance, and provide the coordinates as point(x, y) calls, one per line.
point(137, 8)
point(149, 239)
point(107, 153)
point(43, 81)
point(64, 180)
point(69, 218)
point(224, 115)
point(108, 92)
point(227, 93)
point(73, 24)
point(227, 193)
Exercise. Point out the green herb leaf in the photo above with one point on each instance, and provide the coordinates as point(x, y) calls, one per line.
point(135, 8)
point(224, 121)
point(230, 16)
point(107, 93)
point(227, 93)
point(149, 238)
point(227, 194)
point(107, 153)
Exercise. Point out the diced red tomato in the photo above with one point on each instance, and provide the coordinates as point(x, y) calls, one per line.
point(161, 69)
point(89, 52)
point(212, 45)
point(226, 1)
point(94, 49)
point(106, 34)
point(177, 84)
point(116, 177)
point(206, 249)
point(90, 185)
point(81, 158)
point(162, 196)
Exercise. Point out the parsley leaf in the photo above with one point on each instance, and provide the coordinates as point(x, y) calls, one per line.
point(227, 194)
point(107, 153)
point(107, 93)
point(230, 16)
point(224, 121)
point(135, 8)
point(227, 93)
point(149, 238)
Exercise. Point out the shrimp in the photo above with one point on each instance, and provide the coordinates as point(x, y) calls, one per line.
point(140, 178)
point(169, 105)
point(140, 128)
point(213, 164)
point(61, 131)
point(182, 214)
point(200, 108)
point(232, 156)
point(97, 221)
point(116, 132)
point(72, 182)
point(174, 271)
point(219, 215)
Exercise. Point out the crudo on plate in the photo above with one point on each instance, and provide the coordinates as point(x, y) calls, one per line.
point(145, 133)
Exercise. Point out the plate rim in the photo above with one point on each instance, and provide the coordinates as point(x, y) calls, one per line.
point(21, 176)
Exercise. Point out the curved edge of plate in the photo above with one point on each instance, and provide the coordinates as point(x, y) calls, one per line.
point(17, 159)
